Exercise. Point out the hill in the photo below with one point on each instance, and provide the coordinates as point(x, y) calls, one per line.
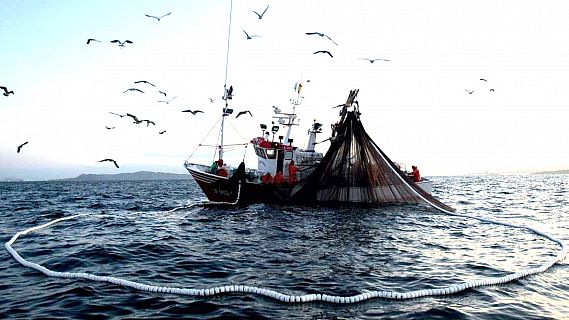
point(566, 171)
point(139, 175)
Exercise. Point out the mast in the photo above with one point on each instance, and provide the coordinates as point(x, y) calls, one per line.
point(292, 116)
point(227, 94)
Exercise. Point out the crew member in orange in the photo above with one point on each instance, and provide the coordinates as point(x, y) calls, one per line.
point(267, 178)
point(279, 178)
point(221, 169)
point(415, 174)
point(292, 170)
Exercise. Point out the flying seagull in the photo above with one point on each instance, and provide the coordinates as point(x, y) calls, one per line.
point(144, 81)
point(250, 37)
point(469, 92)
point(244, 112)
point(491, 90)
point(158, 18)
point(193, 111)
point(324, 51)
point(109, 128)
point(116, 114)
point(134, 118)
point(110, 160)
point(483, 79)
point(6, 92)
point(89, 40)
point(212, 100)
point(20, 146)
point(121, 44)
point(373, 60)
point(166, 101)
point(262, 14)
point(161, 132)
point(322, 35)
point(133, 89)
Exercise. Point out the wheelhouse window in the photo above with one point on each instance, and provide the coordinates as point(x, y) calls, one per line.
point(271, 153)
point(260, 153)
point(288, 155)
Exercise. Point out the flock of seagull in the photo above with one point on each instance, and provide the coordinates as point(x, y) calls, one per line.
point(323, 35)
point(472, 91)
point(136, 120)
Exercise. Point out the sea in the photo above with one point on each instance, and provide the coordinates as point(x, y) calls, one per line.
point(165, 233)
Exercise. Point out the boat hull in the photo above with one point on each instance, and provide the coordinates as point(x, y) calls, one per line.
point(224, 190)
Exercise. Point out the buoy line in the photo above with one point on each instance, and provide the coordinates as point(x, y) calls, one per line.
point(455, 288)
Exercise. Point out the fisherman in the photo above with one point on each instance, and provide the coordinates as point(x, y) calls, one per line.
point(267, 178)
point(292, 170)
point(213, 167)
point(415, 175)
point(221, 169)
point(279, 178)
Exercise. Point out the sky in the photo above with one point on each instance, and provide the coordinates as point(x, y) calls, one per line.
point(415, 106)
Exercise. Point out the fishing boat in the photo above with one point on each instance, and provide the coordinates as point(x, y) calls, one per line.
point(275, 154)
point(353, 170)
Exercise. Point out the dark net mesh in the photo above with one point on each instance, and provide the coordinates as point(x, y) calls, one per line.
point(355, 170)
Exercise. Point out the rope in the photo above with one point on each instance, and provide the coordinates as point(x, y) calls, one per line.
point(455, 288)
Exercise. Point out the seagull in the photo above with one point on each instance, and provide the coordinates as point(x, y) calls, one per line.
point(133, 89)
point(262, 14)
point(193, 111)
point(491, 90)
point(324, 51)
point(212, 100)
point(134, 118)
point(469, 92)
point(158, 18)
point(89, 40)
point(250, 37)
point(244, 112)
point(166, 101)
point(116, 114)
point(322, 35)
point(109, 128)
point(161, 132)
point(110, 160)
point(121, 44)
point(373, 60)
point(6, 92)
point(20, 146)
point(148, 122)
point(144, 81)
point(484, 80)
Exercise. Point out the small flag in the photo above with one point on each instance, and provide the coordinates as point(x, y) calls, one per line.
point(299, 87)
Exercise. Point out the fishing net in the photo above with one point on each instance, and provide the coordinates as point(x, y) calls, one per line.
point(356, 170)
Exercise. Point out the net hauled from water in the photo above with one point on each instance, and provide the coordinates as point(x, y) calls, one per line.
point(356, 170)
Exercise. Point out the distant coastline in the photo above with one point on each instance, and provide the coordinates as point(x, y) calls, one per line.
point(139, 175)
point(566, 171)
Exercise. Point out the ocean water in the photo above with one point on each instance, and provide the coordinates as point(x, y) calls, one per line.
point(131, 231)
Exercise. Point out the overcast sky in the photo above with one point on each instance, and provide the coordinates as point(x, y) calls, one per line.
point(416, 106)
